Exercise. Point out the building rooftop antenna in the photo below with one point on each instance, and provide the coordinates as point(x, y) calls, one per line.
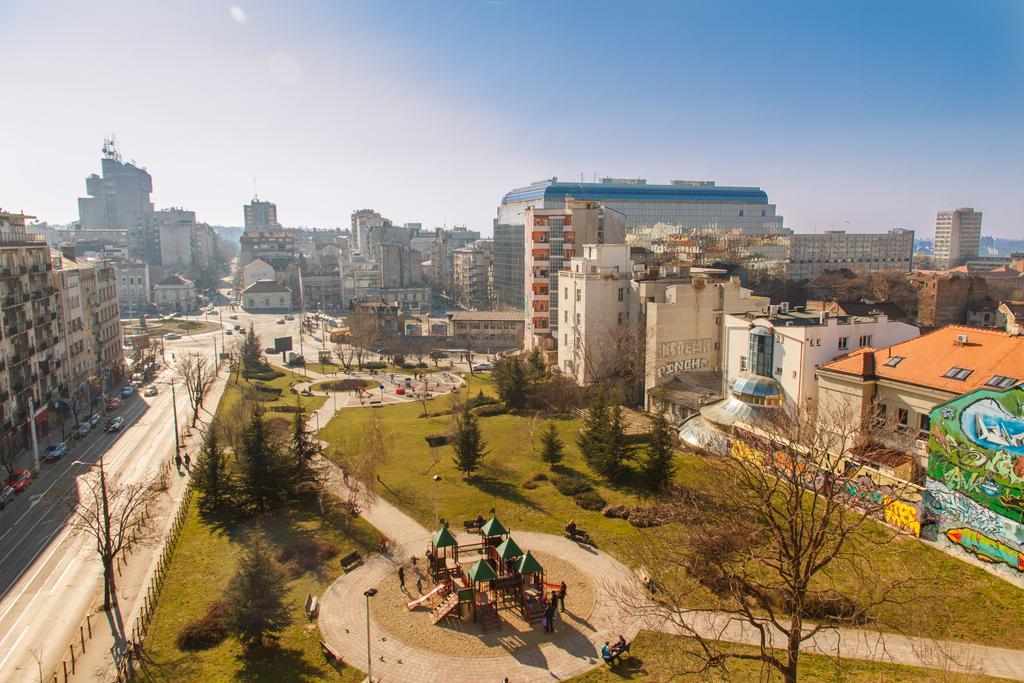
point(255, 194)
point(110, 149)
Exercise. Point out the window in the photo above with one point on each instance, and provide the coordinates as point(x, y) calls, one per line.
point(577, 318)
point(743, 363)
point(565, 316)
point(622, 317)
point(959, 374)
point(620, 293)
point(566, 342)
point(865, 340)
point(566, 293)
point(902, 416)
point(1001, 382)
point(579, 295)
point(925, 425)
point(778, 371)
point(894, 361)
point(842, 343)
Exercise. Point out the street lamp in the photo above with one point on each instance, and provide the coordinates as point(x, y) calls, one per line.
point(437, 519)
point(369, 593)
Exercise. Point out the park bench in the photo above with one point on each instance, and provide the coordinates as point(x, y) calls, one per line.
point(312, 606)
point(472, 525)
point(351, 560)
point(329, 654)
point(581, 536)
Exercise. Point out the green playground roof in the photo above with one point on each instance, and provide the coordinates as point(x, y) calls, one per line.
point(509, 549)
point(493, 527)
point(443, 538)
point(481, 571)
point(529, 564)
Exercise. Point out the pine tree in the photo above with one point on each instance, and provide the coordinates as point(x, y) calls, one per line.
point(538, 366)
point(511, 382)
point(468, 442)
point(658, 465)
point(304, 448)
point(593, 439)
point(266, 472)
point(551, 445)
point(211, 475)
point(618, 449)
point(256, 597)
point(251, 352)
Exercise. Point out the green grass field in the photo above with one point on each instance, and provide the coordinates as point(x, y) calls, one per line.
point(961, 601)
point(235, 381)
point(658, 657)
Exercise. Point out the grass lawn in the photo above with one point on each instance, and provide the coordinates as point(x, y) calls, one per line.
point(204, 562)
point(165, 326)
point(231, 397)
point(324, 368)
point(658, 657)
point(963, 602)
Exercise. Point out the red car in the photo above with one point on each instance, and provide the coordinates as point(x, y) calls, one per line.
point(19, 480)
point(114, 404)
point(400, 390)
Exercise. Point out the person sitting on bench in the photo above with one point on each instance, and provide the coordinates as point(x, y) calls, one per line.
point(620, 646)
point(479, 522)
point(607, 654)
point(571, 528)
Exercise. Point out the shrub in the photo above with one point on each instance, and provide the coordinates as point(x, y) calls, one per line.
point(534, 480)
point(345, 384)
point(264, 373)
point(590, 500)
point(267, 388)
point(285, 409)
point(422, 365)
point(206, 631)
point(374, 365)
point(619, 511)
point(307, 554)
point(409, 366)
point(571, 484)
point(489, 410)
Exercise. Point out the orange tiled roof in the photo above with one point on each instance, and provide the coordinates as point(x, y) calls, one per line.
point(928, 357)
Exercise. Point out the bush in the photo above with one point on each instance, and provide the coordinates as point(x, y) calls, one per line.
point(619, 511)
point(422, 365)
point(285, 409)
point(489, 410)
point(264, 373)
point(481, 400)
point(571, 484)
point(534, 480)
point(306, 555)
point(374, 365)
point(345, 384)
point(409, 366)
point(206, 631)
point(590, 500)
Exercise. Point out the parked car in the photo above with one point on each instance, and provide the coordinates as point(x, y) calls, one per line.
point(400, 391)
point(233, 316)
point(127, 391)
point(19, 480)
point(94, 420)
point(280, 321)
point(6, 495)
point(289, 317)
point(83, 430)
point(150, 390)
point(172, 336)
point(114, 424)
point(55, 451)
point(483, 367)
point(238, 328)
point(114, 404)
point(229, 332)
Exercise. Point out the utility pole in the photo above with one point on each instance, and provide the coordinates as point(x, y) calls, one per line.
point(32, 429)
point(174, 407)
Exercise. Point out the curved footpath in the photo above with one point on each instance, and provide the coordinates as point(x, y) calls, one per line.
point(343, 619)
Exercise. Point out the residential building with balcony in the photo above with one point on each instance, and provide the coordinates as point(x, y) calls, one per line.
point(471, 275)
point(133, 287)
point(812, 254)
point(957, 237)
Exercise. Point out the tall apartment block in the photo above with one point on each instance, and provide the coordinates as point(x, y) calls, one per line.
point(471, 275)
point(957, 236)
point(551, 238)
point(119, 199)
point(691, 204)
point(362, 221)
point(813, 254)
point(260, 216)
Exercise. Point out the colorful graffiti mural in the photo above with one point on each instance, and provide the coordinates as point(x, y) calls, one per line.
point(985, 548)
point(977, 449)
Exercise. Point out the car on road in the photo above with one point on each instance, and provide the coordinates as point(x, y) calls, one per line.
point(19, 480)
point(114, 404)
point(83, 430)
point(483, 367)
point(6, 495)
point(150, 390)
point(238, 328)
point(280, 321)
point(55, 451)
point(172, 336)
point(400, 391)
point(94, 420)
point(289, 317)
point(127, 391)
point(114, 424)
point(229, 332)
point(233, 316)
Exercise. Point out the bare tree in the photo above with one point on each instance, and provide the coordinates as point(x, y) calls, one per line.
point(783, 532)
point(195, 371)
point(113, 515)
point(615, 358)
point(360, 458)
point(9, 452)
point(362, 332)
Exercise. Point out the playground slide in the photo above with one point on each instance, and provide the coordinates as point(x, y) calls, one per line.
point(426, 596)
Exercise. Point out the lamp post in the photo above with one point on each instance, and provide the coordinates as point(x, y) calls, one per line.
point(369, 593)
point(437, 517)
point(174, 407)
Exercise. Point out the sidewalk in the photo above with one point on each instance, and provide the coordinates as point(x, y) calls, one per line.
point(97, 663)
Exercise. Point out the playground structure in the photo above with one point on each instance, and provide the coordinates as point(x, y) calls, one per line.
point(476, 580)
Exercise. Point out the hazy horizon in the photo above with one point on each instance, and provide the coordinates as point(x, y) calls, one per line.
point(849, 115)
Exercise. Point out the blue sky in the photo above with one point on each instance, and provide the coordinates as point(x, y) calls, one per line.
point(865, 115)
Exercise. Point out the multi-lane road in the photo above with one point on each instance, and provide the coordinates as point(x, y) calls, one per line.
point(49, 573)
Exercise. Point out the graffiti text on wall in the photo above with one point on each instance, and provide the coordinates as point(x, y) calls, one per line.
point(683, 347)
point(688, 365)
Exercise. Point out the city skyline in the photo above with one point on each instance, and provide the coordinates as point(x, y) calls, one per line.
point(848, 120)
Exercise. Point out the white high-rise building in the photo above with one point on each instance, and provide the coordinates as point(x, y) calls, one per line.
point(957, 236)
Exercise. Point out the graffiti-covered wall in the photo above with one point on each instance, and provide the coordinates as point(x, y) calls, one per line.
point(975, 489)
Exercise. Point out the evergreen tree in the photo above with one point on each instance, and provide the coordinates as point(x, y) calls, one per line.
point(511, 382)
point(468, 442)
point(551, 445)
point(538, 366)
point(266, 472)
point(658, 465)
point(211, 475)
point(304, 448)
point(251, 351)
point(593, 439)
point(256, 597)
point(618, 449)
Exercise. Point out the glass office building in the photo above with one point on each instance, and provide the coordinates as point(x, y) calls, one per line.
point(692, 204)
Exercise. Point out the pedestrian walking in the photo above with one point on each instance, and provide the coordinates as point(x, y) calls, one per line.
point(188, 461)
point(419, 585)
point(561, 596)
point(177, 461)
point(401, 577)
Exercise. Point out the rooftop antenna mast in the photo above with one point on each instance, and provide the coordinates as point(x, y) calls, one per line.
point(255, 195)
point(110, 149)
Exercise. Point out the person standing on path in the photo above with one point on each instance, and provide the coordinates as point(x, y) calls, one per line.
point(401, 577)
point(177, 461)
point(188, 462)
point(561, 596)
point(419, 585)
